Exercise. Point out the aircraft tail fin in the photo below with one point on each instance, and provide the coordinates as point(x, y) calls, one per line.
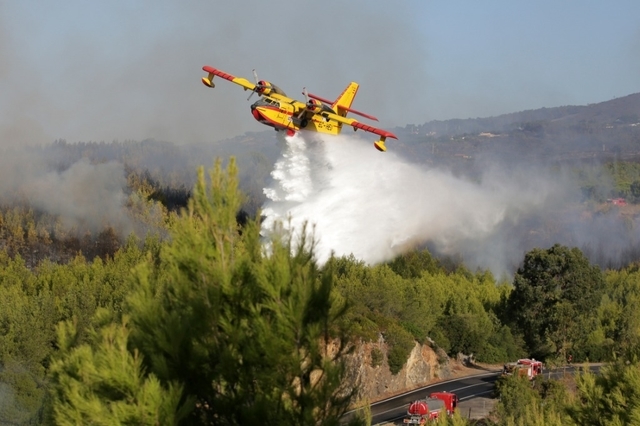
point(342, 105)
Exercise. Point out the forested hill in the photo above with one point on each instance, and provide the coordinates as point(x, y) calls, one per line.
point(602, 130)
point(623, 110)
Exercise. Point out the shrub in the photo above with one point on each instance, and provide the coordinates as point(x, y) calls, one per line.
point(400, 343)
point(440, 340)
point(376, 357)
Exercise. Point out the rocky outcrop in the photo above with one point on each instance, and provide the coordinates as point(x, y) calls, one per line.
point(368, 368)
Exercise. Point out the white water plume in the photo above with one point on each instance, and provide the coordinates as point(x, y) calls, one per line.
point(375, 205)
point(291, 173)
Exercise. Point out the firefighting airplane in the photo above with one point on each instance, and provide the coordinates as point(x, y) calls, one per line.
point(277, 110)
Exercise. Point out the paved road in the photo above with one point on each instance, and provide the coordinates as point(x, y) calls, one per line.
point(395, 408)
point(467, 388)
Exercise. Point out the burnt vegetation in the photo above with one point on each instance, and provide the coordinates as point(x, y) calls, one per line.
point(156, 173)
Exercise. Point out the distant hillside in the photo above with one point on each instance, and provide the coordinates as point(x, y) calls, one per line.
point(601, 130)
point(619, 110)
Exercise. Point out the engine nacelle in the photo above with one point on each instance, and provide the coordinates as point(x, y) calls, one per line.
point(314, 105)
point(266, 88)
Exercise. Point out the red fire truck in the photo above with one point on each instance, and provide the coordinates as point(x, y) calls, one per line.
point(425, 410)
point(523, 367)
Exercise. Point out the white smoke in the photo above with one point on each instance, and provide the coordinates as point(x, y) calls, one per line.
point(375, 205)
point(85, 196)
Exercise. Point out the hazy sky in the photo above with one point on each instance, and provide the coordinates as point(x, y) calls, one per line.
point(86, 70)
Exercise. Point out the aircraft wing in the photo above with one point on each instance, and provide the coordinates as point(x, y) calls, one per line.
point(381, 132)
point(384, 134)
point(246, 84)
point(360, 126)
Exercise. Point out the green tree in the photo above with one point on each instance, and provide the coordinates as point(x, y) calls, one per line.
point(466, 332)
point(619, 312)
point(455, 420)
point(102, 382)
point(610, 398)
point(416, 298)
point(556, 291)
point(516, 394)
point(250, 335)
point(524, 404)
point(401, 343)
point(32, 302)
point(414, 264)
point(24, 344)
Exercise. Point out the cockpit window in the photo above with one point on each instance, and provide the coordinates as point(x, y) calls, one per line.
point(267, 101)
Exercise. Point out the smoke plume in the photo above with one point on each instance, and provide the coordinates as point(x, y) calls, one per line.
point(84, 196)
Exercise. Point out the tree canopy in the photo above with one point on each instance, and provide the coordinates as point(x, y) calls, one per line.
point(215, 331)
point(555, 293)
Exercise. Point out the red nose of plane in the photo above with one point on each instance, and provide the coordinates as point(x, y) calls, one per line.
point(256, 114)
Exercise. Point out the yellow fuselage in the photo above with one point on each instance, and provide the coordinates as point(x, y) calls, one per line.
point(281, 113)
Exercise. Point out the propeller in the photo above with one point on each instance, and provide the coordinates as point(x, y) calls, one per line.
point(311, 105)
point(260, 85)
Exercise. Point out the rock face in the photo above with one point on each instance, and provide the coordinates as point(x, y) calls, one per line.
point(368, 367)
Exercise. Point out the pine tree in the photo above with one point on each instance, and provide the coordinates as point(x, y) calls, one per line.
point(610, 398)
point(247, 332)
point(103, 383)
